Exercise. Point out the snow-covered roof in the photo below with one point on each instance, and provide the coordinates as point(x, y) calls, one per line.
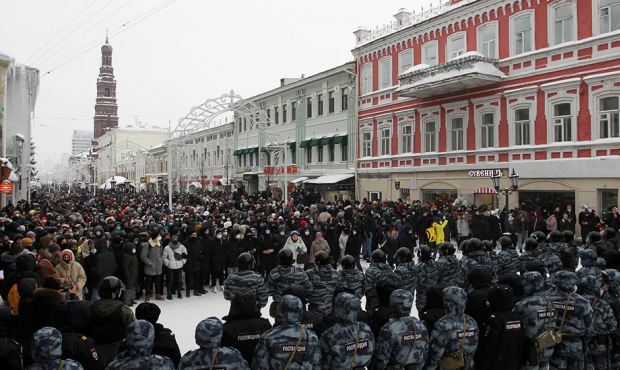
point(416, 68)
point(299, 179)
point(330, 179)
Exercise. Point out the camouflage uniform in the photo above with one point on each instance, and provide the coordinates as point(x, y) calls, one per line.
point(552, 261)
point(246, 283)
point(528, 257)
point(282, 277)
point(537, 315)
point(508, 262)
point(348, 343)
point(467, 264)
point(208, 338)
point(449, 271)
point(573, 317)
point(324, 280)
point(289, 342)
point(140, 339)
point(483, 259)
point(376, 273)
point(404, 339)
point(449, 333)
point(407, 276)
point(612, 297)
point(353, 279)
point(603, 324)
point(46, 351)
point(588, 261)
point(427, 276)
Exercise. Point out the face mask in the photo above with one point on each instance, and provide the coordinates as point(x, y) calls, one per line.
point(225, 234)
point(267, 232)
point(282, 233)
point(67, 260)
point(311, 222)
point(133, 250)
point(354, 232)
point(93, 251)
point(158, 237)
point(219, 236)
point(238, 236)
point(307, 232)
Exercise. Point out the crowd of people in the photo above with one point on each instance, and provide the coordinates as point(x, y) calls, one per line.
point(523, 294)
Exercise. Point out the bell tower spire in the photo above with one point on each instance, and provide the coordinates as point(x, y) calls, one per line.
point(106, 109)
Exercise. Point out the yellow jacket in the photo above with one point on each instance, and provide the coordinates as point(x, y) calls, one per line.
point(440, 235)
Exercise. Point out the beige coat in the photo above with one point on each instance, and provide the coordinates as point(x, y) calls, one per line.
point(71, 273)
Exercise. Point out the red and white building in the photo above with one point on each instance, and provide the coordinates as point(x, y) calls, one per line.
point(476, 85)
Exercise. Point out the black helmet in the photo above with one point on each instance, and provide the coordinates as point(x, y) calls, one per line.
point(488, 245)
point(539, 236)
point(555, 236)
point(447, 249)
point(474, 245)
point(425, 253)
point(608, 234)
point(402, 255)
point(245, 261)
point(593, 237)
point(378, 256)
point(298, 291)
point(569, 236)
point(347, 262)
point(111, 288)
point(322, 258)
point(505, 242)
point(464, 247)
point(530, 244)
point(285, 256)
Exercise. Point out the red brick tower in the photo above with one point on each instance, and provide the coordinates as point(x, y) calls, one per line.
point(106, 109)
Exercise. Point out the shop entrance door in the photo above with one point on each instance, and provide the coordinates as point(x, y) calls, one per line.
point(546, 200)
point(607, 198)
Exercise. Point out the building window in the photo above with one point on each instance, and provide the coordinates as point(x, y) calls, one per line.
point(562, 122)
point(343, 151)
point(456, 45)
point(609, 117)
point(320, 104)
point(487, 131)
point(331, 102)
point(429, 54)
point(344, 96)
point(563, 23)
point(430, 137)
point(366, 144)
point(293, 154)
point(405, 60)
point(385, 73)
point(308, 107)
point(268, 116)
point(487, 40)
point(522, 127)
point(240, 122)
point(609, 15)
point(251, 155)
point(284, 113)
point(374, 196)
point(107, 92)
point(522, 34)
point(245, 163)
point(276, 115)
point(406, 136)
point(309, 154)
point(331, 152)
point(320, 152)
point(386, 140)
point(293, 111)
point(366, 80)
point(457, 134)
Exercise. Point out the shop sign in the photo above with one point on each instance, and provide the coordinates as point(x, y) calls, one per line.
point(485, 173)
point(6, 187)
point(397, 184)
point(291, 170)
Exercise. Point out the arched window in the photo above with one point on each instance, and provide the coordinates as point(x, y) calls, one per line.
point(107, 92)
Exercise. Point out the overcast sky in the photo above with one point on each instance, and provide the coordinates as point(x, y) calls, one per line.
point(178, 57)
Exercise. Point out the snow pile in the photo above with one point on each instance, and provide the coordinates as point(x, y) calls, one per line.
point(469, 54)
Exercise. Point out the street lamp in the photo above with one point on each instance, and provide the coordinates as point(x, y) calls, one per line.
point(514, 185)
point(112, 183)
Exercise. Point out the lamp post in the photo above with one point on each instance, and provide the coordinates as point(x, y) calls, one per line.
point(112, 183)
point(514, 185)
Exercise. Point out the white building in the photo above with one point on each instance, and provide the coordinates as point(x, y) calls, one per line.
point(118, 148)
point(20, 86)
point(315, 117)
point(81, 141)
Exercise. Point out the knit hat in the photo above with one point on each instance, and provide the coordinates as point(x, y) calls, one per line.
point(53, 248)
point(148, 311)
point(26, 242)
point(45, 269)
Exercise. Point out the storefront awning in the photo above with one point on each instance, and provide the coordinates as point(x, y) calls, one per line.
point(341, 139)
point(330, 179)
point(298, 180)
point(484, 190)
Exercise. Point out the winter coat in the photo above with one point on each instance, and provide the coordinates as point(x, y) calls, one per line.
point(47, 351)
point(194, 255)
point(42, 307)
point(175, 256)
point(316, 247)
point(110, 320)
point(71, 273)
point(266, 243)
point(296, 247)
point(130, 268)
point(354, 245)
point(217, 255)
point(153, 258)
point(138, 356)
point(232, 252)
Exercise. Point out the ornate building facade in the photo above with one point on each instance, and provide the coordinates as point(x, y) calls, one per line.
point(106, 109)
point(502, 85)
